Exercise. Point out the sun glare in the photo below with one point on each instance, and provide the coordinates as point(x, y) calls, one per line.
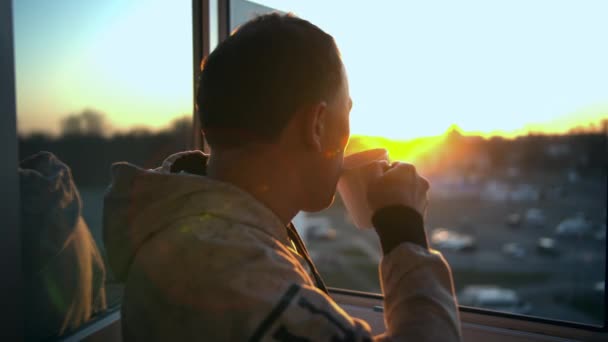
point(407, 151)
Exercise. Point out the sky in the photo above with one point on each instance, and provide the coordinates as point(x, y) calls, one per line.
point(415, 67)
point(131, 60)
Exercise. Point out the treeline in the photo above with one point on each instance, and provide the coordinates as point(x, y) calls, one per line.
point(585, 152)
point(87, 148)
point(90, 153)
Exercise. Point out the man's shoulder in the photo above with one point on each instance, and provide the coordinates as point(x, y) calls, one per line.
point(220, 234)
point(215, 270)
point(210, 245)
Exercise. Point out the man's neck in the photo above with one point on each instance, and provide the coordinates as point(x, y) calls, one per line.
point(271, 183)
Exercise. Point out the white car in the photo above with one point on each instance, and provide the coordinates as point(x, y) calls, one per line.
point(600, 286)
point(547, 246)
point(442, 238)
point(514, 249)
point(600, 233)
point(514, 220)
point(574, 226)
point(312, 227)
point(535, 217)
point(315, 232)
point(493, 298)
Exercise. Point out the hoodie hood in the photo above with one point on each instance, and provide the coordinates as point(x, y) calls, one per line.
point(140, 203)
point(50, 208)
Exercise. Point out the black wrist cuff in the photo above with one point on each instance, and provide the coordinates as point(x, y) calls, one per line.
point(396, 224)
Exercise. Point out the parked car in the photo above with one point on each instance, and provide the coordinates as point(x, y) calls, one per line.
point(445, 239)
point(312, 227)
point(514, 250)
point(494, 298)
point(599, 287)
point(535, 217)
point(514, 220)
point(547, 246)
point(317, 232)
point(600, 233)
point(574, 226)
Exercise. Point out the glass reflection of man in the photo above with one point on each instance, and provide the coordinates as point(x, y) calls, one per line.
point(205, 244)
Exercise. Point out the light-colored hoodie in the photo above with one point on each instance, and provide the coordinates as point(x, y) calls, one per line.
point(205, 261)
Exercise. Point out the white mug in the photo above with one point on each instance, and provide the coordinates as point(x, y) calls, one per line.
point(358, 171)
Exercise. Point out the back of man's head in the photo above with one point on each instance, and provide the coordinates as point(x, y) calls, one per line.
point(253, 83)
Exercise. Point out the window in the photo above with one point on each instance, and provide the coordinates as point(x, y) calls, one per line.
point(96, 82)
point(503, 106)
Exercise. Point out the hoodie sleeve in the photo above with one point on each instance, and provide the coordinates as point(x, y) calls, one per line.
point(418, 305)
point(304, 313)
point(419, 301)
point(419, 298)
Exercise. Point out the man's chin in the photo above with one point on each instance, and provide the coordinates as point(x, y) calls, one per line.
point(321, 205)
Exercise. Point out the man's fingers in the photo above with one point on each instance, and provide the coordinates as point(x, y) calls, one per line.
point(424, 183)
point(385, 165)
point(400, 167)
point(403, 171)
point(407, 172)
point(399, 185)
point(379, 168)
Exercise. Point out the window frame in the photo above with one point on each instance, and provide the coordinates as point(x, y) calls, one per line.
point(504, 319)
point(11, 293)
point(200, 50)
point(475, 326)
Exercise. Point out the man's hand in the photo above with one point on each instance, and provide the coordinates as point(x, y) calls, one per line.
point(399, 185)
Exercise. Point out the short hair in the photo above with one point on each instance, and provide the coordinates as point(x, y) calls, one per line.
point(254, 81)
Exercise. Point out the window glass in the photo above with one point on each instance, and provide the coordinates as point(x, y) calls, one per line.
point(97, 82)
point(503, 106)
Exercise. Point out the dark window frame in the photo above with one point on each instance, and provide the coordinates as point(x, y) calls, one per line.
point(11, 294)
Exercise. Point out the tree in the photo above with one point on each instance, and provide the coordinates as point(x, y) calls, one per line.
point(71, 125)
point(181, 126)
point(89, 122)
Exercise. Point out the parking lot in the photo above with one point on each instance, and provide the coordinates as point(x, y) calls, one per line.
point(553, 281)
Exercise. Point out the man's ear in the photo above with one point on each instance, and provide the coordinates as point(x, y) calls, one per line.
point(315, 125)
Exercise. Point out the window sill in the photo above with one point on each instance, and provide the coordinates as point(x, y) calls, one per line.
point(106, 328)
point(477, 324)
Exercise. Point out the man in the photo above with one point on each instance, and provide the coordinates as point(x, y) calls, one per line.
point(206, 246)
